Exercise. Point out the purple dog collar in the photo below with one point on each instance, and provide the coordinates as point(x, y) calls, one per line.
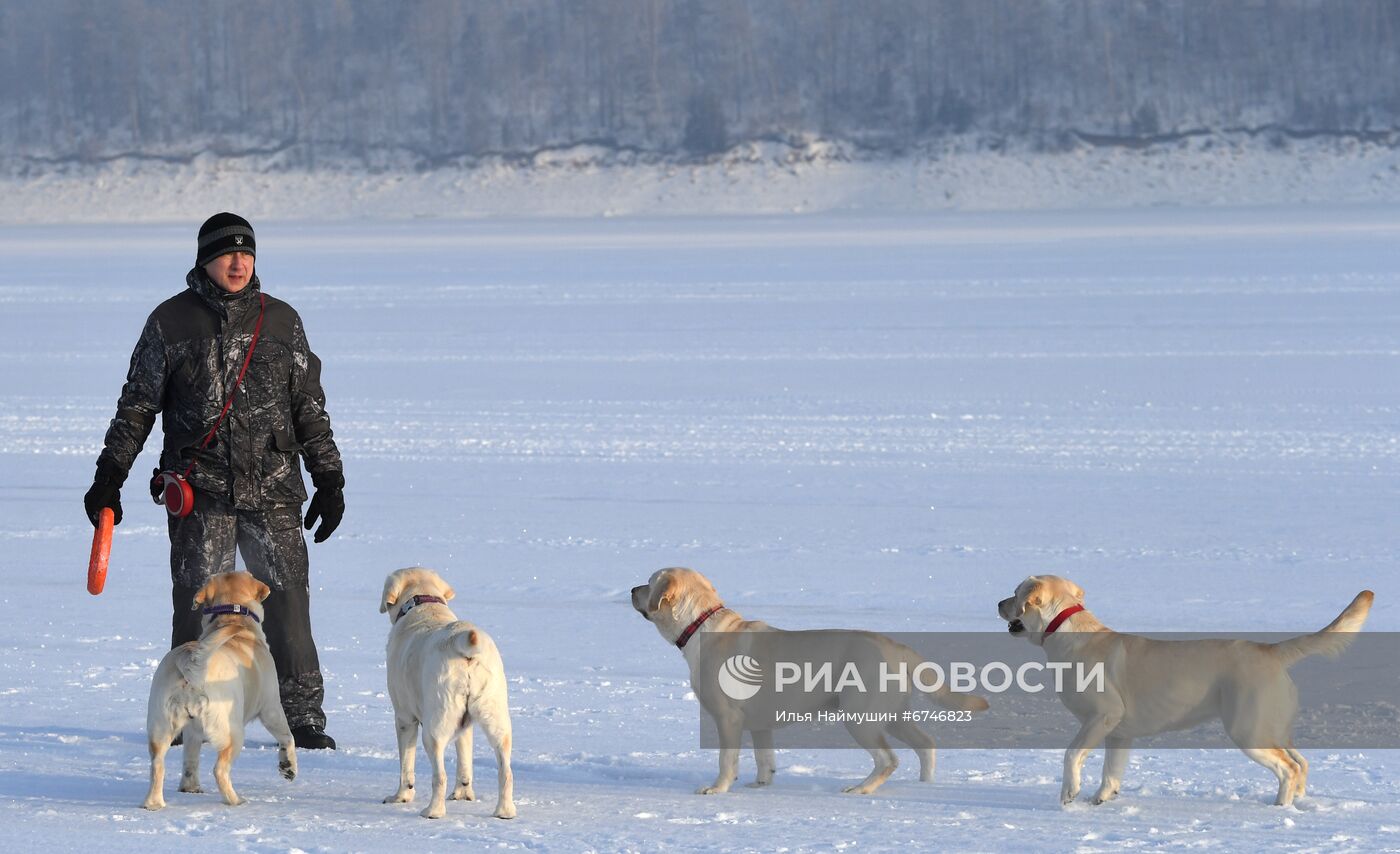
point(243, 610)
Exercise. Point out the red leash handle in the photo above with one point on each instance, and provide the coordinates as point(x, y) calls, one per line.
point(228, 404)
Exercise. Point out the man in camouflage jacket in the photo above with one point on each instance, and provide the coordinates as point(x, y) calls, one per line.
point(247, 479)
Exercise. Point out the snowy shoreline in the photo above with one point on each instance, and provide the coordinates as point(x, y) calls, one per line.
point(754, 178)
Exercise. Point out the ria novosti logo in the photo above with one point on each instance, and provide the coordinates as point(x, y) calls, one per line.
point(740, 677)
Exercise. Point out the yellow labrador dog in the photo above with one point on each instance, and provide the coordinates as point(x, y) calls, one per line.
point(444, 674)
point(1154, 686)
point(210, 688)
point(686, 610)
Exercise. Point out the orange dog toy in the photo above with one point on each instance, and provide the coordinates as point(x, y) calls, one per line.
point(101, 550)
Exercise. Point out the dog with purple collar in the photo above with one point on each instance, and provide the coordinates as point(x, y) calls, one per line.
point(207, 690)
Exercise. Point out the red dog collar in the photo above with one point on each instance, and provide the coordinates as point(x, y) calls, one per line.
point(695, 626)
point(1061, 617)
point(420, 600)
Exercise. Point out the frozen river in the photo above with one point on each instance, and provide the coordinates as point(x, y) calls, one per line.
point(880, 423)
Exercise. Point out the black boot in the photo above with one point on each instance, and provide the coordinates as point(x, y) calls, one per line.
point(312, 737)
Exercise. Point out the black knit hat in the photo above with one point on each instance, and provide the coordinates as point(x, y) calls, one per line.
point(221, 234)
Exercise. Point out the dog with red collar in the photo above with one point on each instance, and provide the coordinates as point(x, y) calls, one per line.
point(688, 612)
point(1155, 686)
point(446, 675)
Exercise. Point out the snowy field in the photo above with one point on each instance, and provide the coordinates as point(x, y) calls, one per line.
point(867, 422)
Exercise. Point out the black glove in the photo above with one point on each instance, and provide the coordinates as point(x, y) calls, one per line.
point(106, 491)
point(328, 504)
point(156, 487)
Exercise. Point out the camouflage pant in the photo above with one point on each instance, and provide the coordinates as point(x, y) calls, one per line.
point(271, 542)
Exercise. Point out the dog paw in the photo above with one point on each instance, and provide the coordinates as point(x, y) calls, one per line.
point(757, 784)
point(153, 805)
point(400, 798)
point(192, 788)
point(236, 802)
point(1068, 791)
point(505, 811)
point(287, 763)
point(463, 793)
point(433, 812)
point(711, 790)
point(1102, 797)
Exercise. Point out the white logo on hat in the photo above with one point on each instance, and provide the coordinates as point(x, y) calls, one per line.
point(238, 239)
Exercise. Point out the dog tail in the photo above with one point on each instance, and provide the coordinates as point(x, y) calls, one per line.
point(196, 664)
point(466, 640)
point(945, 696)
point(1331, 641)
point(958, 700)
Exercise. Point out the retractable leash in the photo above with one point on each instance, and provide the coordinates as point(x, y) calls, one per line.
point(176, 493)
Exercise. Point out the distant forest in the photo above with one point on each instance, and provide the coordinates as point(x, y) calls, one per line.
point(423, 83)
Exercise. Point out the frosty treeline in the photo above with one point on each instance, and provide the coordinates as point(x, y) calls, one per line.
point(431, 82)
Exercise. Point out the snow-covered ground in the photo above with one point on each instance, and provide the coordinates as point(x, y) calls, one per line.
point(876, 422)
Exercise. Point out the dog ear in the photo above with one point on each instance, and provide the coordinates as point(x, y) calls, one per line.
point(1076, 591)
point(448, 593)
point(203, 595)
point(662, 590)
point(393, 586)
point(1035, 597)
point(263, 590)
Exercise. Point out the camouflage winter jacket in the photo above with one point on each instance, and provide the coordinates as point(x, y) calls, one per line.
point(188, 358)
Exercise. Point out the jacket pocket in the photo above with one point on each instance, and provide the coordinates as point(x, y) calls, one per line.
point(280, 470)
point(285, 442)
